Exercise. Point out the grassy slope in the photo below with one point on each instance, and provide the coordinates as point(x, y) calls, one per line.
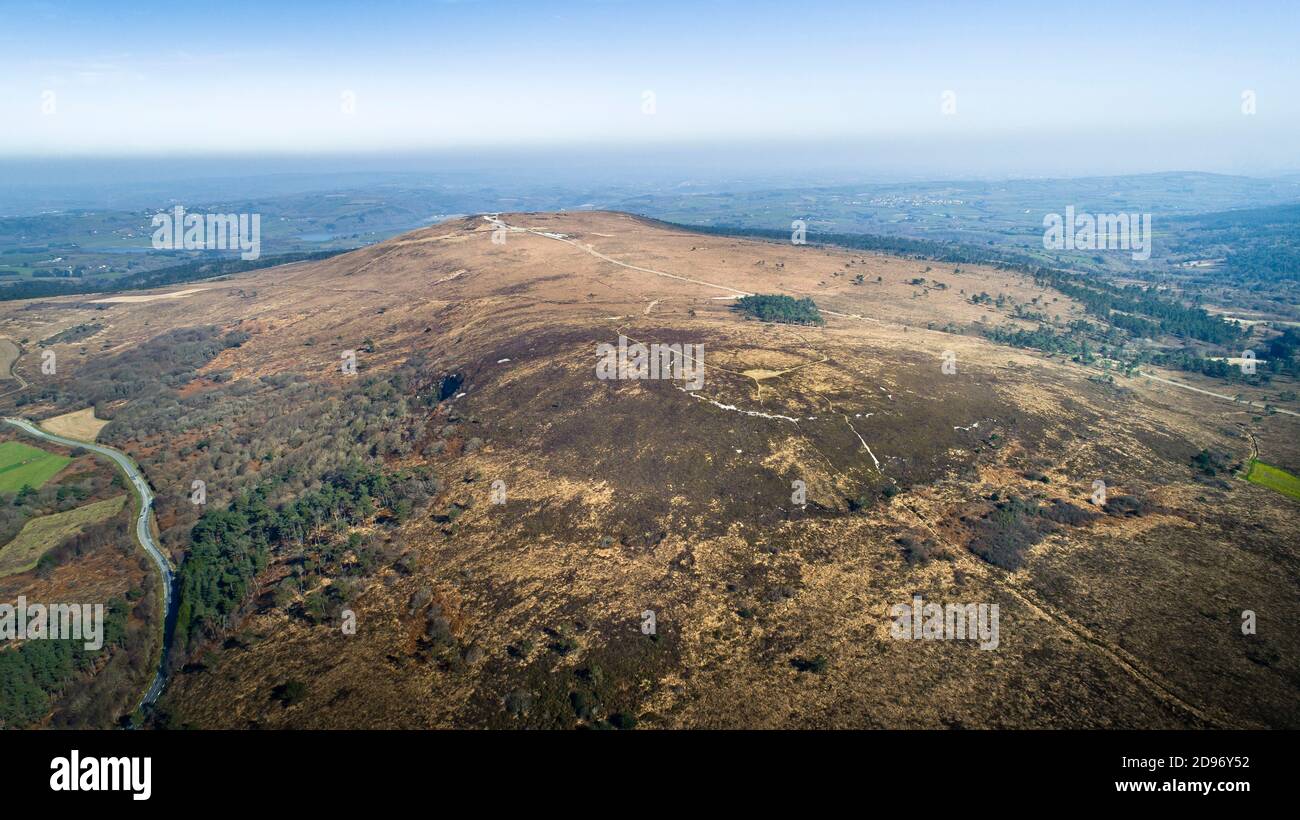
point(1274, 478)
point(79, 424)
point(21, 464)
point(42, 534)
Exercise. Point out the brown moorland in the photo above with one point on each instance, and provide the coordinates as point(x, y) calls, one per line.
point(629, 497)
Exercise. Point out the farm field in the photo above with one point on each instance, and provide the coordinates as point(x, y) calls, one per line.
point(79, 424)
point(21, 465)
point(42, 534)
point(1266, 475)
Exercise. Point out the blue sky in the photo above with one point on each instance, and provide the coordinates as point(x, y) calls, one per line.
point(1144, 83)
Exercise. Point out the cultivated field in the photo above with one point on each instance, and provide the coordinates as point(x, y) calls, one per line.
point(79, 424)
point(1274, 478)
point(23, 465)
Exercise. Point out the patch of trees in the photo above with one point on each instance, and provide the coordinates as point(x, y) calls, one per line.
point(72, 334)
point(780, 308)
point(894, 245)
point(1170, 316)
point(1101, 299)
point(172, 275)
point(146, 372)
point(1191, 361)
point(1005, 533)
point(34, 674)
point(1074, 343)
point(1258, 245)
point(231, 546)
point(17, 508)
point(117, 532)
point(1280, 261)
point(1214, 462)
point(1284, 348)
point(284, 427)
point(1022, 312)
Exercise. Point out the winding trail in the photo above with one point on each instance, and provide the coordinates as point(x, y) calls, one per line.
point(1216, 395)
point(495, 220)
point(142, 533)
point(1145, 677)
point(13, 369)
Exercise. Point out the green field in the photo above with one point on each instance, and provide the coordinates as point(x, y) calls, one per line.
point(1266, 475)
point(40, 535)
point(21, 465)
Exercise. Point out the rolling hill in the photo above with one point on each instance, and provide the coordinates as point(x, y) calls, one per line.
point(554, 549)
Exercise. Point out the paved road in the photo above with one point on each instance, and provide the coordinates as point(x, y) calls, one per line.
point(142, 532)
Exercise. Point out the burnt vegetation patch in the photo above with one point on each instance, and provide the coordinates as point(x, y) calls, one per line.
point(600, 687)
point(646, 440)
point(1003, 534)
point(1126, 506)
point(918, 549)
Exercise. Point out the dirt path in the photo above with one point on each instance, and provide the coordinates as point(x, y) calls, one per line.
point(1216, 395)
point(9, 355)
point(495, 220)
point(1145, 677)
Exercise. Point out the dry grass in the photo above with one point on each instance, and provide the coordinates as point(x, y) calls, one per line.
point(8, 355)
point(40, 535)
point(632, 496)
point(79, 424)
point(146, 297)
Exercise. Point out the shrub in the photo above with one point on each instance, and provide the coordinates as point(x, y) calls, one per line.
point(816, 665)
point(289, 692)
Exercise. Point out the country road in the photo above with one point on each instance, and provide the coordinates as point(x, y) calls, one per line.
point(142, 531)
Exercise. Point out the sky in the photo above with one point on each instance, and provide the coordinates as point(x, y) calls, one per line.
point(1051, 89)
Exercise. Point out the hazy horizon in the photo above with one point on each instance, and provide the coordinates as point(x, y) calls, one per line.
point(909, 90)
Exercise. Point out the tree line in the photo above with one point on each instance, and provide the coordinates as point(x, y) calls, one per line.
point(160, 277)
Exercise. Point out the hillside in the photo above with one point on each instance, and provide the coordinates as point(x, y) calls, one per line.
point(931, 461)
